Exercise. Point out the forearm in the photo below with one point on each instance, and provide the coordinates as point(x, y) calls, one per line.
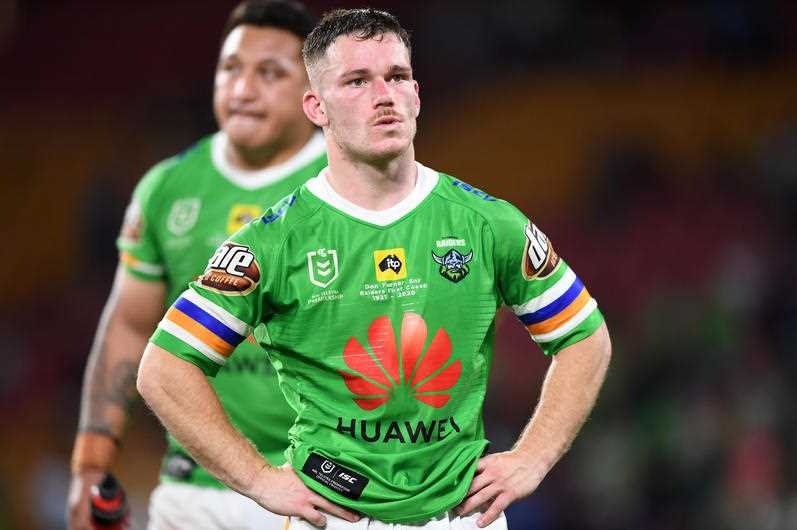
point(130, 315)
point(109, 383)
point(180, 395)
point(568, 395)
point(109, 390)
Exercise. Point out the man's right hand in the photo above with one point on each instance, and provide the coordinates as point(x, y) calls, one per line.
point(280, 490)
point(77, 505)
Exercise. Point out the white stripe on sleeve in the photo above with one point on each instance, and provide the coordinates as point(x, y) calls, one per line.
point(185, 336)
point(553, 292)
point(237, 325)
point(566, 327)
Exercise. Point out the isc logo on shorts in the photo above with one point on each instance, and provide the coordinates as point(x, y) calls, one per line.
point(390, 264)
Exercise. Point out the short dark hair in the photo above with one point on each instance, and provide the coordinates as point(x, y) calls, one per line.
point(289, 15)
point(363, 24)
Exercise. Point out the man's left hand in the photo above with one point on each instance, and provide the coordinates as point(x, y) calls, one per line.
point(500, 479)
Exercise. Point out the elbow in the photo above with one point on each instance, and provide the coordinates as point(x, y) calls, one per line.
point(147, 382)
point(604, 348)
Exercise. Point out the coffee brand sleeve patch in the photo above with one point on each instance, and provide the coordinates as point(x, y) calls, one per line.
point(232, 270)
point(539, 257)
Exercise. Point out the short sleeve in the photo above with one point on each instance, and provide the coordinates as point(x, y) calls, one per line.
point(218, 310)
point(139, 252)
point(537, 284)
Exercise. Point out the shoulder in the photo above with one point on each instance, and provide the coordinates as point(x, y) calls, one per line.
point(279, 220)
point(169, 172)
point(493, 210)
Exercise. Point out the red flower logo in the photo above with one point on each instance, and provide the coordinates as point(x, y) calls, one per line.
point(379, 373)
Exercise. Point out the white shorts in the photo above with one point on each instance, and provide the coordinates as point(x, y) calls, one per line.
point(446, 521)
point(188, 507)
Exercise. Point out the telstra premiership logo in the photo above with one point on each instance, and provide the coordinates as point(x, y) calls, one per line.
point(381, 374)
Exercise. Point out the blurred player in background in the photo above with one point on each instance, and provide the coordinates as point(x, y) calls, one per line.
point(378, 282)
point(180, 212)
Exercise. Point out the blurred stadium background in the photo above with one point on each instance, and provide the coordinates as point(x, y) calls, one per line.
point(654, 142)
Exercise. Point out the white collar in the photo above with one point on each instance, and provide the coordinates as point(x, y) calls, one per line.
point(251, 180)
point(425, 183)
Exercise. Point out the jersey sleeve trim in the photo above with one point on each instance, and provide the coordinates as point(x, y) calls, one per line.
point(570, 324)
point(181, 349)
point(568, 300)
point(559, 310)
point(136, 265)
point(187, 337)
point(538, 304)
point(204, 326)
point(237, 325)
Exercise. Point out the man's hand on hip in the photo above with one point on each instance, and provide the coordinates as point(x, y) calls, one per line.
point(281, 491)
point(500, 479)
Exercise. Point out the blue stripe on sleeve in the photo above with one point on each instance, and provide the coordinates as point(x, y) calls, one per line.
point(554, 307)
point(209, 321)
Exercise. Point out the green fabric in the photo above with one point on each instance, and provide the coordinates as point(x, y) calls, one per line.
point(387, 367)
point(182, 209)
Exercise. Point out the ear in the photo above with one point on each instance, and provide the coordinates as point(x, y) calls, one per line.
point(417, 98)
point(314, 109)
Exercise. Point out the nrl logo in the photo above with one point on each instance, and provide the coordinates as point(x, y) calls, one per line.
point(183, 215)
point(453, 265)
point(322, 265)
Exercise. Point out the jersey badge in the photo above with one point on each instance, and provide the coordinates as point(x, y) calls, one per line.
point(240, 215)
point(233, 270)
point(390, 264)
point(454, 264)
point(133, 224)
point(183, 215)
point(539, 257)
point(322, 266)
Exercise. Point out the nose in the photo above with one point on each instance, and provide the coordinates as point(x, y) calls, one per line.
point(383, 94)
point(244, 87)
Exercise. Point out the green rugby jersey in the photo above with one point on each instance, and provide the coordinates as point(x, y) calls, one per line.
point(181, 211)
point(380, 326)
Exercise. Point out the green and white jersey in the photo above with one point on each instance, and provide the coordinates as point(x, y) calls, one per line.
point(181, 211)
point(380, 326)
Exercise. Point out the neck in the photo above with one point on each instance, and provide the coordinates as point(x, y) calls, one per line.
point(372, 185)
point(262, 157)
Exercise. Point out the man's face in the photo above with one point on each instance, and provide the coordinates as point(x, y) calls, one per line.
point(260, 79)
point(367, 95)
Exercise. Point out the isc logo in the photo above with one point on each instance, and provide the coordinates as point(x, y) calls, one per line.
point(230, 257)
point(346, 477)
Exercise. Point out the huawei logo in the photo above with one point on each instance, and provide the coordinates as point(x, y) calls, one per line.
point(384, 372)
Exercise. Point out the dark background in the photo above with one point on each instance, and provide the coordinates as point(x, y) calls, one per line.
point(655, 143)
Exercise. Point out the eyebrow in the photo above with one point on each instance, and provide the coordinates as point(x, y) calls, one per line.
point(265, 61)
point(358, 71)
point(365, 71)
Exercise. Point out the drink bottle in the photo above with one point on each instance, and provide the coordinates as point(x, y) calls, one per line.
point(109, 509)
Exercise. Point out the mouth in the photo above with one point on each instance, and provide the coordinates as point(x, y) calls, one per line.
point(387, 120)
point(251, 115)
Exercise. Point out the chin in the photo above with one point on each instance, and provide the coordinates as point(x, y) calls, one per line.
point(247, 138)
point(389, 149)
